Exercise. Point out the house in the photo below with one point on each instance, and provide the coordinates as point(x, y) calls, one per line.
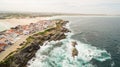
point(2, 46)
point(26, 32)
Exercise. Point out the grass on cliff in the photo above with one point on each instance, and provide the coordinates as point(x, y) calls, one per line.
point(28, 41)
point(7, 61)
point(45, 32)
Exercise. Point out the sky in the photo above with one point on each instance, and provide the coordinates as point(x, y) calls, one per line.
point(62, 6)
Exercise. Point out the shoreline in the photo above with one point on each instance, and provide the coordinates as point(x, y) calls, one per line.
point(12, 22)
point(12, 43)
point(55, 33)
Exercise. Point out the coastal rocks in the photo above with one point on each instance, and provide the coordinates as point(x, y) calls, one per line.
point(20, 58)
point(54, 36)
point(74, 50)
point(47, 37)
point(27, 53)
point(74, 44)
point(58, 36)
point(33, 46)
point(64, 30)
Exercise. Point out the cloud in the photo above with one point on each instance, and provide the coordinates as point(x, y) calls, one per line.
point(67, 6)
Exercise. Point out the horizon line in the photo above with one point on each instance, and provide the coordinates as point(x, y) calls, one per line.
point(60, 13)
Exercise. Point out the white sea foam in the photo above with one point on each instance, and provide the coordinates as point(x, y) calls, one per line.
point(61, 56)
point(51, 56)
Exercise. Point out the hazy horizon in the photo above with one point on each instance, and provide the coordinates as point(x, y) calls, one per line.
point(62, 6)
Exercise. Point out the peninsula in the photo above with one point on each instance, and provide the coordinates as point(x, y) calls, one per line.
point(31, 39)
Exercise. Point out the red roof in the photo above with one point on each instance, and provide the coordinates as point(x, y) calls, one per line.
point(2, 44)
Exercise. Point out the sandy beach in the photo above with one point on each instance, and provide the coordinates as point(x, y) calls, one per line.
point(21, 21)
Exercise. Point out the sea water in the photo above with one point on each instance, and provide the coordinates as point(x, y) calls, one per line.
point(59, 53)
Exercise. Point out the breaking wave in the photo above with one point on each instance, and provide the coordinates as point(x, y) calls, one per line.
point(59, 54)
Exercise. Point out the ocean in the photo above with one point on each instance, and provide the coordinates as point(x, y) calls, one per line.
point(101, 32)
point(98, 39)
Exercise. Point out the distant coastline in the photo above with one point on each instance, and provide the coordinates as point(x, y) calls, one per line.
point(8, 15)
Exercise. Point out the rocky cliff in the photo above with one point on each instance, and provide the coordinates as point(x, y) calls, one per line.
point(23, 55)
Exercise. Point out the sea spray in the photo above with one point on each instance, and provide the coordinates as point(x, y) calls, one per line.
point(59, 54)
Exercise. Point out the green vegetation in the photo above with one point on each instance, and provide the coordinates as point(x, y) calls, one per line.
point(44, 32)
point(28, 41)
point(8, 60)
point(23, 15)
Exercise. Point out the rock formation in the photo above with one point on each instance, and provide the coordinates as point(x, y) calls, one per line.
point(23, 55)
point(74, 50)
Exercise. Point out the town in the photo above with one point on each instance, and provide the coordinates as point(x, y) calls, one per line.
point(9, 37)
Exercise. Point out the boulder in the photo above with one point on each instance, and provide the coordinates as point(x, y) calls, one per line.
point(74, 43)
point(64, 30)
point(74, 52)
point(60, 36)
point(27, 53)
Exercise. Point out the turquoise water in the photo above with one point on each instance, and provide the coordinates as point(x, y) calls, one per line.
point(59, 54)
point(102, 32)
point(51, 55)
point(99, 35)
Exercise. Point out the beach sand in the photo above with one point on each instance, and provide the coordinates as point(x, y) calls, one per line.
point(21, 21)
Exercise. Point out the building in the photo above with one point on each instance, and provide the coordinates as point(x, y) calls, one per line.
point(2, 46)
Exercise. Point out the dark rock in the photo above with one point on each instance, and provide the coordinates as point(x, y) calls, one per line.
point(21, 58)
point(64, 30)
point(59, 36)
point(47, 37)
point(74, 43)
point(74, 52)
point(37, 37)
point(21, 44)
